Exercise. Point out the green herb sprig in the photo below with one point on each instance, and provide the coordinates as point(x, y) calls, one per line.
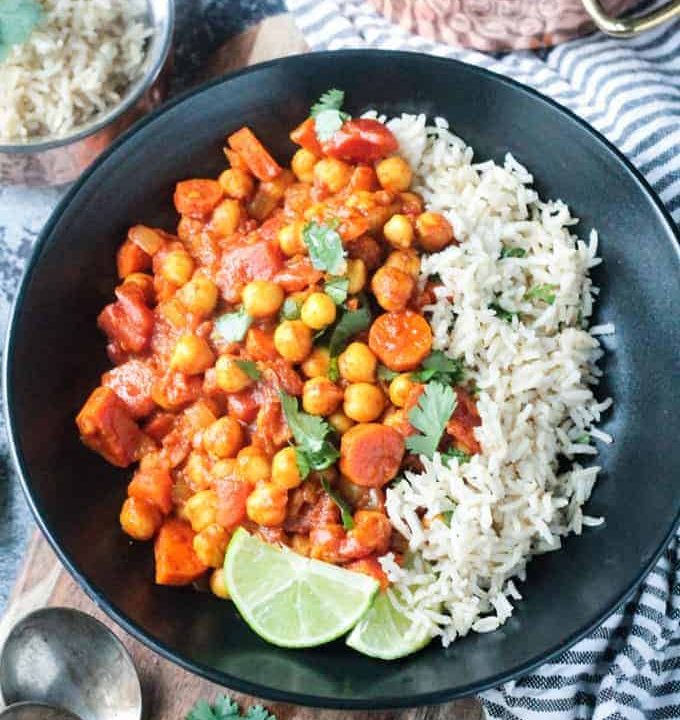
point(224, 708)
point(435, 407)
point(328, 117)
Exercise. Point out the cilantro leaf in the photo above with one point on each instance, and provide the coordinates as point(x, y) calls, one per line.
point(328, 117)
point(313, 451)
point(384, 373)
point(440, 367)
point(544, 292)
point(502, 313)
point(336, 289)
point(583, 439)
point(290, 310)
point(257, 712)
point(233, 326)
point(325, 247)
point(446, 517)
point(345, 509)
point(513, 252)
point(249, 368)
point(454, 453)
point(333, 370)
point(201, 711)
point(430, 416)
point(351, 323)
point(225, 708)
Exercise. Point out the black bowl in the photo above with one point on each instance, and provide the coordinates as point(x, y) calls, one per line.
point(55, 355)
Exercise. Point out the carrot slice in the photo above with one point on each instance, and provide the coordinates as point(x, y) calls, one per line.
point(402, 340)
point(254, 154)
point(176, 561)
point(370, 454)
point(197, 198)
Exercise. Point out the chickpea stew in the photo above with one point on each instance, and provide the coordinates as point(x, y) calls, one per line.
point(273, 367)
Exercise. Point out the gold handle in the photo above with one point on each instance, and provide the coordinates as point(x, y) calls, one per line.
point(625, 27)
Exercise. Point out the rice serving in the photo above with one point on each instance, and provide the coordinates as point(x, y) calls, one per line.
point(514, 303)
point(78, 62)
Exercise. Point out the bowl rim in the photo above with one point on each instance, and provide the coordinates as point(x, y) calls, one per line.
point(159, 49)
point(128, 624)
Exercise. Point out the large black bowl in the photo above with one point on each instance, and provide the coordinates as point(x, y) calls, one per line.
point(55, 355)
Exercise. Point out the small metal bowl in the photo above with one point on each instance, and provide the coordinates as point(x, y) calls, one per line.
point(35, 711)
point(51, 160)
point(67, 659)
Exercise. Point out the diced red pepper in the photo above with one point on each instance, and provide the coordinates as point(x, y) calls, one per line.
point(305, 136)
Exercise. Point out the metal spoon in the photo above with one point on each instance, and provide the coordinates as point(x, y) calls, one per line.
point(35, 711)
point(67, 659)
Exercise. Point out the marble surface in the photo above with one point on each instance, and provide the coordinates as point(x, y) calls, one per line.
point(202, 26)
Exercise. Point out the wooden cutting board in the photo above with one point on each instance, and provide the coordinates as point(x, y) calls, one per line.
point(170, 691)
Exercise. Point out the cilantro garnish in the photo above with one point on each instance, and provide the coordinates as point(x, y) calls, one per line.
point(430, 416)
point(384, 373)
point(583, 439)
point(513, 252)
point(233, 326)
point(440, 367)
point(290, 310)
point(249, 368)
point(351, 323)
point(446, 517)
point(328, 117)
point(454, 453)
point(345, 509)
point(336, 289)
point(325, 247)
point(545, 292)
point(502, 313)
point(333, 370)
point(313, 451)
point(225, 708)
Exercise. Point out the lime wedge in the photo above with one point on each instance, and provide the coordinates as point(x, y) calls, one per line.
point(386, 633)
point(290, 600)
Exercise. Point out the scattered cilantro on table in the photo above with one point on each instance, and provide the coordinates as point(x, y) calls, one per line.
point(232, 326)
point(325, 247)
point(435, 407)
point(314, 451)
point(328, 117)
point(224, 708)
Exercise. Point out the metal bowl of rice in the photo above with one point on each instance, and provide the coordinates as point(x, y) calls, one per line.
point(86, 72)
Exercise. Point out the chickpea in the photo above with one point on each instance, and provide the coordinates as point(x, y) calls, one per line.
point(218, 585)
point(223, 469)
point(252, 465)
point(266, 505)
point(392, 288)
point(144, 282)
point(302, 164)
point(400, 388)
point(199, 296)
point(398, 231)
point(356, 275)
point(285, 471)
point(177, 267)
point(411, 203)
point(140, 519)
point(192, 355)
point(394, 174)
point(318, 311)
point(226, 217)
point(434, 231)
point(229, 376)
point(318, 363)
point(357, 363)
point(198, 471)
point(262, 298)
point(223, 438)
point(290, 239)
point(237, 183)
point(406, 260)
point(277, 187)
point(320, 396)
point(332, 174)
point(364, 402)
point(210, 545)
point(201, 509)
point(293, 340)
point(340, 422)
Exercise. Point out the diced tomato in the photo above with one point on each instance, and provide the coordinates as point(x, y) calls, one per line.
point(159, 425)
point(370, 566)
point(106, 426)
point(245, 262)
point(231, 501)
point(361, 141)
point(260, 344)
point(132, 382)
point(128, 322)
point(176, 561)
point(281, 376)
point(271, 431)
point(304, 135)
point(463, 422)
point(197, 198)
point(174, 390)
point(130, 258)
point(254, 154)
point(243, 405)
point(153, 484)
point(297, 274)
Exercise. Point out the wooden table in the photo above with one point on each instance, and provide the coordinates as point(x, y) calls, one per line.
point(170, 691)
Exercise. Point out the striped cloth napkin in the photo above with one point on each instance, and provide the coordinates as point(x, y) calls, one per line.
point(629, 668)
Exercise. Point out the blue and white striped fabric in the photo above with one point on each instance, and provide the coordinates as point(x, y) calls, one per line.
point(628, 669)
